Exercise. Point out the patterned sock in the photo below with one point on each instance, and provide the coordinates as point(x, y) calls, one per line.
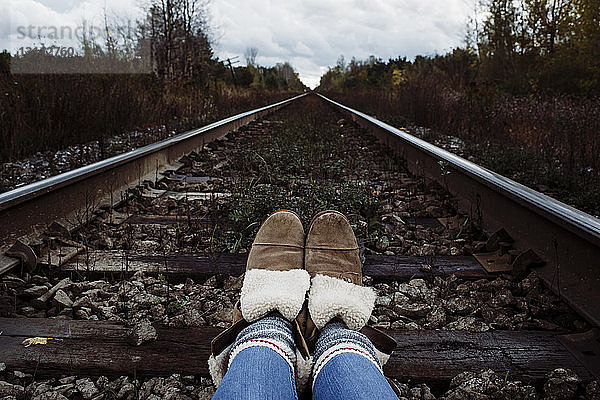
point(273, 332)
point(336, 338)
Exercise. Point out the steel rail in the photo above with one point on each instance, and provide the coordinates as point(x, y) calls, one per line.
point(566, 238)
point(70, 197)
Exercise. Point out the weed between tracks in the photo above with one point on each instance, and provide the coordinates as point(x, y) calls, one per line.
point(246, 208)
point(303, 165)
point(307, 161)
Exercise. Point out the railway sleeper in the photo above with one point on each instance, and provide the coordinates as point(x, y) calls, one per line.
point(97, 348)
point(99, 264)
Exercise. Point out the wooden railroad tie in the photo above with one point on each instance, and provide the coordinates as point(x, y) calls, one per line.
point(101, 264)
point(101, 348)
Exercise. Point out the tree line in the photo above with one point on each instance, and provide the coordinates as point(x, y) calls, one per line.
point(513, 46)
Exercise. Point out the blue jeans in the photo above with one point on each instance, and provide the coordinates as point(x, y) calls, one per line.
point(261, 373)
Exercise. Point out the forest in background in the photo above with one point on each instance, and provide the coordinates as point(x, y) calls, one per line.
point(522, 93)
point(161, 72)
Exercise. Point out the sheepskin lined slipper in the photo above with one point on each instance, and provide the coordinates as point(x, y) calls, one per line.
point(331, 248)
point(331, 257)
point(274, 282)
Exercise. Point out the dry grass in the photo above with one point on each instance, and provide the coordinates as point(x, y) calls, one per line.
point(551, 141)
point(49, 112)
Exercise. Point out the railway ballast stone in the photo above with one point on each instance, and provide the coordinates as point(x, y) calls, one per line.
point(487, 384)
point(35, 291)
point(63, 299)
point(164, 388)
point(50, 396)
point(8, 389)
point(592, 391)
point(234, 283)
point(42, 390)
point(86, 387)
point(142, 332)
point(420, 392)
point(561, 384)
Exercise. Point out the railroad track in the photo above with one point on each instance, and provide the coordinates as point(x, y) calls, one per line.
point(158, 235)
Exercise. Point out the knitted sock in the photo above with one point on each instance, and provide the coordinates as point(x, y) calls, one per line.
point(336, 338)
point(273, 332)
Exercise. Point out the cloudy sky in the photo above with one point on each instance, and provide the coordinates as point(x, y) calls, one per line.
point(310, 34)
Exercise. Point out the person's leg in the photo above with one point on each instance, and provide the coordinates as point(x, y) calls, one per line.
point(347, 366)
point(261, 363)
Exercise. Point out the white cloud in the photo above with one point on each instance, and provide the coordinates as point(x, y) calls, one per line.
point(310, 34)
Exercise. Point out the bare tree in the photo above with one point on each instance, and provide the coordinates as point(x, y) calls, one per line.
point(250, 55)
point(180, 38)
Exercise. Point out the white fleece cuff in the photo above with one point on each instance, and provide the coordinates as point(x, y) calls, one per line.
point(383, 358)
point(265, 291)
point(331, 298)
